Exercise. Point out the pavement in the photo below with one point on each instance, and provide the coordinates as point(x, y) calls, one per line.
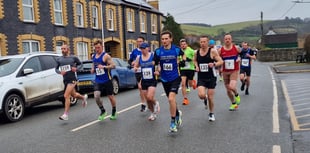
point(291, 67)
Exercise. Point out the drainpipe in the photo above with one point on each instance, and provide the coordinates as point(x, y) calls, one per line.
point(102, 29)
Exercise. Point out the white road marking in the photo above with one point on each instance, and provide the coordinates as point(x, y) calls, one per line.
point(276, 149)
point(275, 112)
point(96, 121)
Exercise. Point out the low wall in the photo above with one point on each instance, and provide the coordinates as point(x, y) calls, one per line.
point(279, 54)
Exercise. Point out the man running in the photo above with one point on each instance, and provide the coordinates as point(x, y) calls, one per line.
point(247, 54)
point(133, 56)
point(229, 53)
point(206, 59)
point(67, 67)
point(188, 71)
point(167, 58)
point(148, 80)
point(102, 65)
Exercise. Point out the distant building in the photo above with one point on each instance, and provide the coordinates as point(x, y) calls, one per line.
point(281, 38)
point(45, 25)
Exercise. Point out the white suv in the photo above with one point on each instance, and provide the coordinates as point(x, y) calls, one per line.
point(27, 80)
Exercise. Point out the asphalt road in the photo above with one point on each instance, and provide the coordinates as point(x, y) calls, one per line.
point(261, 125)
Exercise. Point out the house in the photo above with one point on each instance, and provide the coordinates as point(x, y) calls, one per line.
point(45, 25)
point(281, 38)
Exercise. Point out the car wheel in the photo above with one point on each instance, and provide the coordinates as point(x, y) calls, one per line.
point(73, 101)
point(115, 86)
point(14, 108)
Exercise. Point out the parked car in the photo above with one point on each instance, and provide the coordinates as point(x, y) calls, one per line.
point(27, 80)
point(122, 77)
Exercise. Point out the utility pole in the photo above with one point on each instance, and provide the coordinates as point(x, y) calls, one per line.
point(262, 28)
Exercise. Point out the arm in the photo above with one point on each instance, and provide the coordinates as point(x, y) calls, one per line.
point(217, 57)
point(109, 61)
point(195, 61)
point(137, 64)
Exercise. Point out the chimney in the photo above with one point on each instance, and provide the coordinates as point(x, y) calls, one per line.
point(154, 3)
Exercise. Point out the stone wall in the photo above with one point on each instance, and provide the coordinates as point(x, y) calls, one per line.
point(281, 54)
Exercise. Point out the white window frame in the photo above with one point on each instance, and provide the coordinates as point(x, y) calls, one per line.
point(31, 11)
point(110, 20)
point(130, 20)
point(154, 23)
point(82, 50)
point(79, 15)
point(59, 43)
point(142, 22)
point(95, 17)
point(30, 45)
point(58, 11)
point(131, 47)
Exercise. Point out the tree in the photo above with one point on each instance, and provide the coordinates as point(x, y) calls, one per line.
point(307, 47)
point(174, 28)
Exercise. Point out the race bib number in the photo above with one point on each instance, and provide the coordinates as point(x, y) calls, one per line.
point(229, 64)
point(187, 65)
point(168, 66)
point(65, 68)
point(147, 73)
point(99, 71)
point(245, 62)
point(204, 67)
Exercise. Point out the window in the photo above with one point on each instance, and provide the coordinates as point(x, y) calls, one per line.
point(79, 15)
point(82, 51)
point(131, 47)
point(110, 20)
point(48, 62)
point(58, 12)
point(30, 46)
point(154, 23)
point(28, 10)
point(34, 64)
point(142, 22)
point(58, 46)
point(130, 20)
point(95, 17)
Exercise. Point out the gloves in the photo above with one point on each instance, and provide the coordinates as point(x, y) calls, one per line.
point(182, 63)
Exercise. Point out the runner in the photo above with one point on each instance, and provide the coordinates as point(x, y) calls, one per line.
point(167, 57)
point(148, 81)
point(102, 65)
point(67, 67)
point(206, 59)
point(188, 71)
point(133, 56)
point(247, 54)
point(229, 53)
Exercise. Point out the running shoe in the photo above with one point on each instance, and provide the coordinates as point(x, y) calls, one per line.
point(143, 108)
point(188, 90)
point(102, 116)
point(64, 117)
point(233, 107)
point(237, 99)
point(246, 91)
point(84, 103)
point(211, 117)
point(113, 117)
point(205, 101)
point(194, 84)
point(242, 86)
point(221, 78)
point(173, 127)
point(185, 101)
point(178, 119)
point(152, 117)
point(156, 108)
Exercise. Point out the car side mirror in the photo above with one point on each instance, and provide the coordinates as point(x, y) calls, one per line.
point(27, 71)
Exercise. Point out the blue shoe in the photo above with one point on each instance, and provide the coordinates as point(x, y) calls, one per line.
point(173, 127)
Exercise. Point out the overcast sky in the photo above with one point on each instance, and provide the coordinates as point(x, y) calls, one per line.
point(216, 12)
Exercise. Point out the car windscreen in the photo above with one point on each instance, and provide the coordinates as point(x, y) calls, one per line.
point(9, 65)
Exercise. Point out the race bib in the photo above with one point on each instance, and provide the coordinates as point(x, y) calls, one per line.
point(168, 66)
point(245, 62)
point(65, 68)
point(99, 71)
point(229, 64)
point(204, 67)
point(147, 73)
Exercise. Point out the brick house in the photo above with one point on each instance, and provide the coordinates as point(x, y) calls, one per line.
point(44, 25)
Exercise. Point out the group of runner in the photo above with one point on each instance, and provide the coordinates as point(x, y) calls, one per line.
point(175, 65)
